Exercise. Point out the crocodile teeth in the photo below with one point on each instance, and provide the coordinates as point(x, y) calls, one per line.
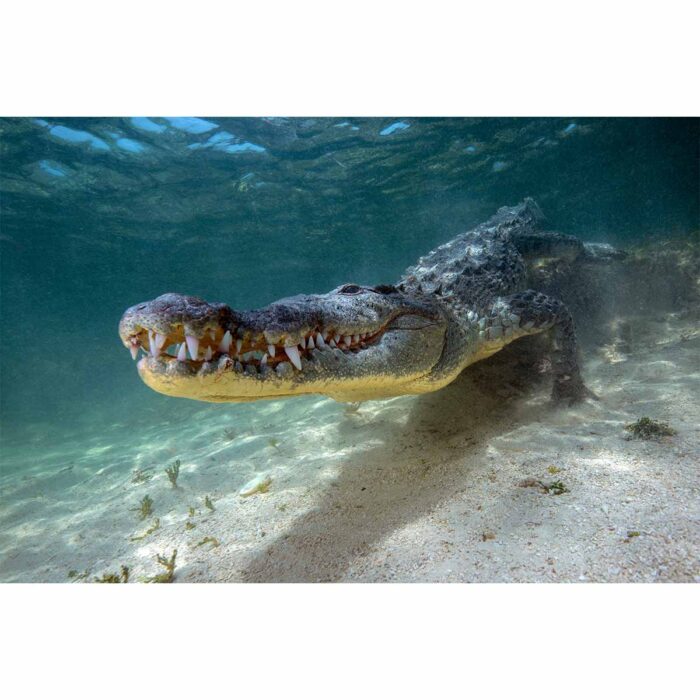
point(263, 362)
point(207, 354)
point(336, 337)
point(239, 345)
point(225, 343)
point(310, 345)
point(347, 339)
point(212, 334)
point(333, 344)
point(182, 353)
point(320, 341)
point(153, 350)
point(192, 345)
point(293, 354)
point(302, 344)
point(134, 350)
point(356, 339)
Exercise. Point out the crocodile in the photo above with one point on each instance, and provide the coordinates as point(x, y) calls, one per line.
point(457, 305)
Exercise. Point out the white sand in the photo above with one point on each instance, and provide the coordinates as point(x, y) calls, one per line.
point(411, 489)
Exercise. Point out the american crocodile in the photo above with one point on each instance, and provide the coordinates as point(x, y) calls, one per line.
point(459, 304)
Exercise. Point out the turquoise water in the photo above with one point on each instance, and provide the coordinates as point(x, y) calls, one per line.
point(99, 214)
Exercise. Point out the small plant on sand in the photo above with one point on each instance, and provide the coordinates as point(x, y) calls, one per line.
point(173, 471)
point(151, 530)
point(647, 429)
point(77, 575)
point(109, 577)
point(555, 487)
point(274, 442)
point(553, 469)
point(209, 540)
point(145, 507)
point(189, 525)
point(141, 476)
point(208, 503)
point(169, 565)
point(191, 512)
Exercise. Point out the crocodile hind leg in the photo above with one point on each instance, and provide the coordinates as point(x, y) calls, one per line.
point(530, 312)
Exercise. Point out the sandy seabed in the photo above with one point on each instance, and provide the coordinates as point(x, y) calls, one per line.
point(442, 487)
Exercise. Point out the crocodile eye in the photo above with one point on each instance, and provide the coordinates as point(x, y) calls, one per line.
point(350, 289)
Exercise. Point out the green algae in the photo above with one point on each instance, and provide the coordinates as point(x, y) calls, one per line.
point(555, 487)
point(169, 565)
point(76, 575)
point(208, 503)
point(110, 577)
point(173, 471)
point(145, 507)
point(647, 429)
point(141, 476)
point(150, 531)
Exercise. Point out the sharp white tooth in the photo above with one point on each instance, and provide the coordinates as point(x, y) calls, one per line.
point(293, 355)
point(302, 344)
point(160, 340)
point(182, 353)
point(271, 350)
point(192, 345)
point(207, 354)
point(263, 362)
point(333, 344)
point(239, 345)
point(310, 344)
point(347, 339)
point(320, 342)
point(134, 350)
point(212, 334)
point(225, 343)
point(152, 350)
point(336, 337)
point(356, 339)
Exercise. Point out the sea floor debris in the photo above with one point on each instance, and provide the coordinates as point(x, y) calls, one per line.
point(648, 429)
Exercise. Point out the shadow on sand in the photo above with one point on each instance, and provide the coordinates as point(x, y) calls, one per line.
point(416, 467)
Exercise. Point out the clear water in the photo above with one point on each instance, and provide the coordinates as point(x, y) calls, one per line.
point(99, 214)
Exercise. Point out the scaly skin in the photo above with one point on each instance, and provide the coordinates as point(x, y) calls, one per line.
point(459, 304)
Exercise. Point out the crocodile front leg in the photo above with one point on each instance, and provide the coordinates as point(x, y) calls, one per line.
point(530, 312)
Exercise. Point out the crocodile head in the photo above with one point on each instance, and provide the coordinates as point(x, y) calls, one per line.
point(351, 344)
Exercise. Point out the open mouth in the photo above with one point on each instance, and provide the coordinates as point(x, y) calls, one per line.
point(245, 348)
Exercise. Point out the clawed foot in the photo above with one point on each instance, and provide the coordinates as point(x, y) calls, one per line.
point(570, 391)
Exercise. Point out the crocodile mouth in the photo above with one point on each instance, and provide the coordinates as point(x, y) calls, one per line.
point(244, 350)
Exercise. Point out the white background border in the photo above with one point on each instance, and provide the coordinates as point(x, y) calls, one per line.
point(352, 58)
